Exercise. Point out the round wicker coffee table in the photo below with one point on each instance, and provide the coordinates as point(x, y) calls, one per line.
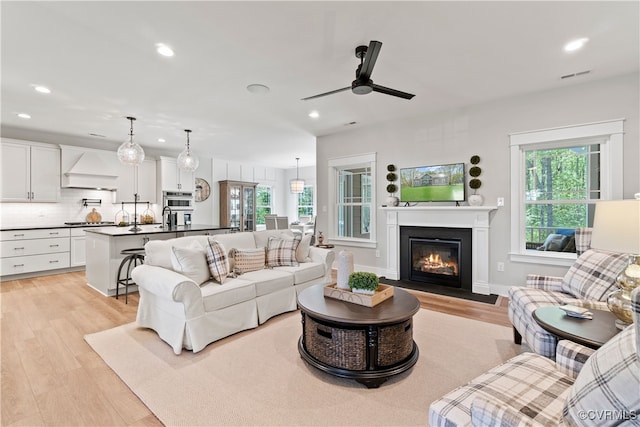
point(367, 344)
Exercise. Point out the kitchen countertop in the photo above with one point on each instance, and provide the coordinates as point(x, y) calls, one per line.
point(46, 227)
point(152, 228)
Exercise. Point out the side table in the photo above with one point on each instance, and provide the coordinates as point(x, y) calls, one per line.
point(592, 333)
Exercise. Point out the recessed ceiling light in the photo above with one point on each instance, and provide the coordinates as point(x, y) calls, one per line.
point(24, 116)
point(314, 114)
point(258, 88)
point(163, 49)
point(575, 44)
point(162, 140)
point(42, 89)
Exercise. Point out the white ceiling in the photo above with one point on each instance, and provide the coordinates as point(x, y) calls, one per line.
point(99, 60)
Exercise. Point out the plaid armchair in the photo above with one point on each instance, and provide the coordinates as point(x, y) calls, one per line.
point(583, 387)
point(587, 283)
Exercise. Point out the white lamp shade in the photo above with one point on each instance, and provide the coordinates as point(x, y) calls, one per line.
point(616, 226)
point(130, 153)
point(297, 186)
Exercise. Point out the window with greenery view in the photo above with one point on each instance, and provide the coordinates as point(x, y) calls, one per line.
point(561, 186)
point(352, 194)
point(263, 203)
point(557, 177)
point(305, 202)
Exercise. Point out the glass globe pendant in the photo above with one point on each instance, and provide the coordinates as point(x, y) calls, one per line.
point(186, 160)
point(130, 153)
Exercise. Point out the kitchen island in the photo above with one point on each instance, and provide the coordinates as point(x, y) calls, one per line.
point(104, 244)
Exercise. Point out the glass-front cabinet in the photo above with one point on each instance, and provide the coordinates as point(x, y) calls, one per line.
point(238, 205)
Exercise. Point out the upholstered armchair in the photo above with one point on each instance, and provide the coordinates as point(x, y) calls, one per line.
point(587, 283)
point(583, 387)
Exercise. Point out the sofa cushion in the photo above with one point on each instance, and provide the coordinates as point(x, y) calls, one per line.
point(233, 241)
point(282, 252)
point(262, 237)
point(217, 260)
point(268, 280)
point(608, 383)
point(235, 290)
point(593, 275)
point(304, 272)
point(246, 260)
point(191, 262)
point(158, 252)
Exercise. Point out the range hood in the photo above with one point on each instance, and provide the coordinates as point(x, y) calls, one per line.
point(86, 168)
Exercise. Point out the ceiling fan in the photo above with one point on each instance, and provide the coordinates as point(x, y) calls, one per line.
point(363, 84)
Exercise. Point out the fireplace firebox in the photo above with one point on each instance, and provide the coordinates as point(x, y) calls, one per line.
point(436, 255)
point(435, 259)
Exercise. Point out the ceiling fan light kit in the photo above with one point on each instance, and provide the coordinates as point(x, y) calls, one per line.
point(363, 84)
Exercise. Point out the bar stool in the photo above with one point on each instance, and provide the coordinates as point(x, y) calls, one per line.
point(132, 258)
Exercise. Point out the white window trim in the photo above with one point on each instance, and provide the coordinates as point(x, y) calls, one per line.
point(367, 160)
point(610, 132)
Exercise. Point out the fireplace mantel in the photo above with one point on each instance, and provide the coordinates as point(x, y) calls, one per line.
point(477, 218)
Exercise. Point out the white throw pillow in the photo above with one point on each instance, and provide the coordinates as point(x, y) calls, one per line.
point(191, 262)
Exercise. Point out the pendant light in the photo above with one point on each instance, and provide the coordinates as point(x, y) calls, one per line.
point(186, 160)
point(130, 153)
point(297, 185)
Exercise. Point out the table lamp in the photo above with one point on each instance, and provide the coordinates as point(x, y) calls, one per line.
point(616, 228)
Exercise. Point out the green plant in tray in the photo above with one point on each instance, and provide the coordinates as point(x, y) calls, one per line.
point(363, 280)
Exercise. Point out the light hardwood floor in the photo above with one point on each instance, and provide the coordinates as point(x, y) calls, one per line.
point(49, 374)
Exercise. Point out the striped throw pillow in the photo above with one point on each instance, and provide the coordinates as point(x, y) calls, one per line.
point(246, 260)
point(217, 260)
point(281, 252)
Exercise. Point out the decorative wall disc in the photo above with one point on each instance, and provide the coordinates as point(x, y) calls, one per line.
point(202, 190)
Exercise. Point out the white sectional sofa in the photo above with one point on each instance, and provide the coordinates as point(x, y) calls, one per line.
point(188, 314)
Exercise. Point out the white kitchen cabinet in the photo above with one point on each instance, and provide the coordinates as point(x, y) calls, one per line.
point(30, 172)
point(172, 178)
point(146, 174)
point(78, 250)
point(28, 251)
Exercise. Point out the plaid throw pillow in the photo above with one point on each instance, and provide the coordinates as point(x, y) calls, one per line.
point(217, 260)
point(281, 252)
point(246, 260)
point(607, 384)
point(593, 275)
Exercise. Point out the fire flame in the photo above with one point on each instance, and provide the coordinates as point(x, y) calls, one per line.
point(435, 262)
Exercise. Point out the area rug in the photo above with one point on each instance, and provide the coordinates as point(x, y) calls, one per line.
point(257, 377)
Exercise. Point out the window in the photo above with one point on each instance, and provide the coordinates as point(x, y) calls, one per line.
point(263, 203)
point(305, 202)
point(557, 176)
point(352, 192)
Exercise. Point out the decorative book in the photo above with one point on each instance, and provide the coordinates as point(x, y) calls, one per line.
point(574, 311)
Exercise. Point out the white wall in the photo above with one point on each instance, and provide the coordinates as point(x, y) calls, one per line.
point(454, 136)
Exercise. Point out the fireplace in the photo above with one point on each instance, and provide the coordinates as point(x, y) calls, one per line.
point(436, 256)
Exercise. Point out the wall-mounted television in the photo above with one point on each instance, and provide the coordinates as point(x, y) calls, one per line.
point(438, 183)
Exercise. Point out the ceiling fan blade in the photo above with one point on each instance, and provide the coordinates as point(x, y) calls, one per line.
point(369, 60)
point(393, 92)
point(326, 93)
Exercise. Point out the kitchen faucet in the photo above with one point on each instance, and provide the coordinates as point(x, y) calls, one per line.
point(168, 221)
